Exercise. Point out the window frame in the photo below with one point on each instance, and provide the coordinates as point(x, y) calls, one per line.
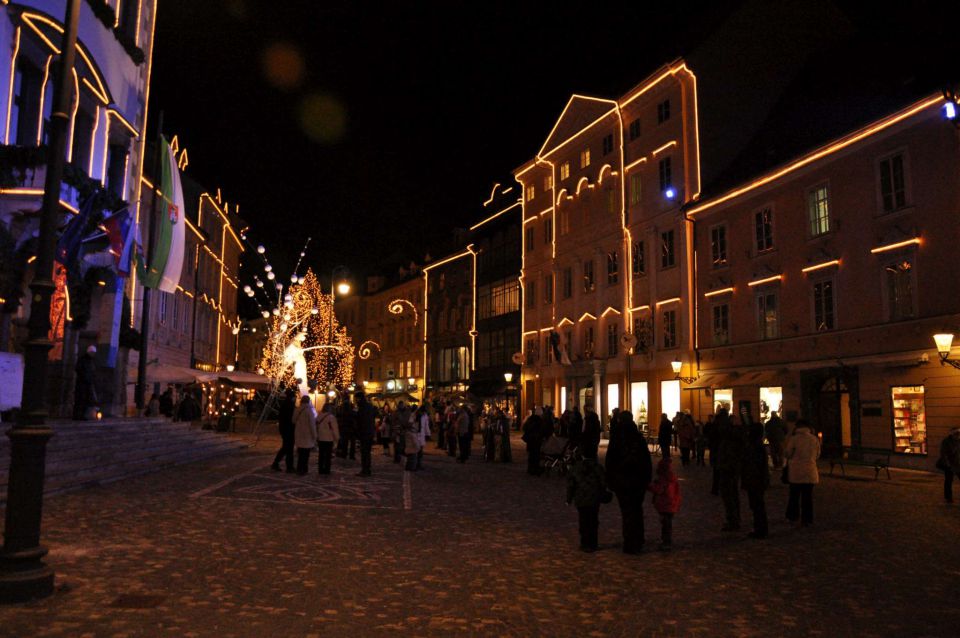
point(762, 331)
point(663, 111)
point(833, 303)
point(665, 168)
point(722, 260)
point(897, 259)
point(670, 331)
point(638, 265)
point(715, 340)
point(773, 229)
point(672, 252)
point(812, 232)
point(907, 191)
point(589, 276)
point(613, 268)
point(585, 157)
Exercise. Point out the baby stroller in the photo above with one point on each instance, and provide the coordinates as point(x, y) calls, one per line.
point(557, 452)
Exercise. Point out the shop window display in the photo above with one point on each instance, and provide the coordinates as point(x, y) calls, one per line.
point(909, 420)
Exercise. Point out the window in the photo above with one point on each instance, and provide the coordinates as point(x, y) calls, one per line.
point(893, 192)
point(638, 258)
point(529, 240)
point(669, 329)
point(667, 257)
point(909, 419)
point(453, 364)
point(531, 352)
point(763, 223)
point(162, 309)
point(718, 246)
point(548, 289)
point(823, 305)
point(900, 290)
point(635, 189)
point(634, 129)
point(666, 174)
point(613, 339)
point(565, 170)
point(663, 111)
point(498, 298)
point(643, 331)
point(767, 318)
point(547, 349)
point(564, 221)
point(585, 157)
point(530, 293)
point(818, 210)
point(588, 281)
point(721, 325)
point(548, 183)
point(83, 126)
point(116, 169)
point(608, 144)
point(531, 192)
point(567, 282)
point(27, 83)
point(613, 268)
point(548, 231)
point(587, 342)
point(612, 207)
point(129, 12)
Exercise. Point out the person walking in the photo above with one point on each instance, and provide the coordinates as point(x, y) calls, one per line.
point(590, 437)
point(285, 425)
point(366, 432)
point(949, 462)
point(755, 479)
point(700, 444)
point(533, 437)
point(665, 436)
point(628, 473)
point(464, 428)
point(383, 429)
point(733, 442)
point(686, 437)
point(85, 388)
point(666, 499)
point(802, 449)
point(328, 435)
point(346, 419)
point(489, 424)
point(776, 432)
point(398, 426)
point(305, 433)
point(587, 488)
point(504, 453)
point(423, 434)
point(411, 442)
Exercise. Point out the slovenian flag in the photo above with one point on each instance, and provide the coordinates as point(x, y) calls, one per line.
point(166, 260)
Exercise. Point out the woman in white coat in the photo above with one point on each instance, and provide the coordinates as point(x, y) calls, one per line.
point(305, 433)
point(328, 433)
point(802, 451)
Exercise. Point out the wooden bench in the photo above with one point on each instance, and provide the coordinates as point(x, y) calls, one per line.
point(877, 458)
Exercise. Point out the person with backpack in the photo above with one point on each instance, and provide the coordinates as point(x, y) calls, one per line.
point(628, 473)
point(328, 434)
point(666, 499)
point(587, 489)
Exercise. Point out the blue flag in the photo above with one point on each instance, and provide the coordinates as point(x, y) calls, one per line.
point(71, 239)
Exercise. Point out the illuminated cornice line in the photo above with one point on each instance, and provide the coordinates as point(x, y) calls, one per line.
point(714, 293)
point(447, 260)
point(13, 67)
point(826, 264)
point(28, 18)
point(565, 322)
point(829, 149)
point(634, 163)
point(580, 183)
point(115, 113)
point(549, 329)
point(495, 215)
point(899, 244)
point(530, 332)
point(765, 280)
point(610, 310)
point(602, 168)
point(586, 317)
point(667, 301)
point(574, 97)
point(640, 308)
point(660, 149)
point(563, 192)
point(493, 193)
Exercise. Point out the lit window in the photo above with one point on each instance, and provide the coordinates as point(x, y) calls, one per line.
point(763, 224)
point(548, 183)
point(818, 209)
point(909, 419)
point(823, 305)
point(565, 170)
point(893, 192)
point(531, 192)
point(585, 158)
point(635, 189)
point(612, 202)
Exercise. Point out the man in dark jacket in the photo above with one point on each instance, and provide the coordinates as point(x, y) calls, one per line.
point(346, 420)
point(285, 418)
point(629, 470)
point(776, 433)
point(733, 441)
point(85, 391)
point(575, 427)
point(590, 438)
point(533, 437)
point(713, 444)
point(755, 478)
point(366, 431)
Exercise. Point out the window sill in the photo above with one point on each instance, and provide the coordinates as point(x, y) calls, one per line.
point(899, 212)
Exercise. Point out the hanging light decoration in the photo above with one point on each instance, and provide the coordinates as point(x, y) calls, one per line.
point(268, 268)
point(247, 288)
point(294, 279)
point(259, 284)
point(279, 286)
point(266, 314)
point(271, 276)
point(261, 249)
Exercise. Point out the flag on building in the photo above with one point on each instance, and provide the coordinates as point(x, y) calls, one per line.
point(70, 243)
point(119, 233)
point(166, 258)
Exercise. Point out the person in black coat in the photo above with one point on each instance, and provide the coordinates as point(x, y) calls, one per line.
point(590, 437)
point(85, 390)
point(575, 427)
point(285, 414)
point(366, 419)
point(712, 435)
point(629, 470)
point(733, 443)
point(665, 436)
point(533, 437)
point(755, 478)
point(346, 419)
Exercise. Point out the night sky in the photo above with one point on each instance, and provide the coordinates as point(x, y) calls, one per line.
point(378, 129)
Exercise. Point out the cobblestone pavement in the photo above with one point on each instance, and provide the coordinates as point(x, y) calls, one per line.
point(229, 548)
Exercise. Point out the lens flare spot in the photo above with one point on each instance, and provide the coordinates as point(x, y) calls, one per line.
point(323, 118)
point(283, 65)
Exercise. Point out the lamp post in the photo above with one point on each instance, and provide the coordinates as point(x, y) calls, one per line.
point(944, 341)
point(23, 575)
point(677, 366)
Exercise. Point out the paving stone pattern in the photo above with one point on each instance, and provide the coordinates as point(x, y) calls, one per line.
point(227, 548)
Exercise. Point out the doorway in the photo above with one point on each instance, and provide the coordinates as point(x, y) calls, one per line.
point(831, 405)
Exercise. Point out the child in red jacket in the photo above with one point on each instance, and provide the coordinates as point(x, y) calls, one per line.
point(666, 499)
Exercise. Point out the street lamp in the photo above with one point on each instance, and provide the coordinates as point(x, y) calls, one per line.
point(944, 341)
point(508, 377)
point(677, 366)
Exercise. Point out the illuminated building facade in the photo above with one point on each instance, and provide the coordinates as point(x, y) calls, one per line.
point(495, 241)
point(821, 280)
point(606, 266)
point(449, 324)
point(386, 326)
point(105, 144)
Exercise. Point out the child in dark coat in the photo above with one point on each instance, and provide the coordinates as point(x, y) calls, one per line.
point(666, 499)
point(586, 488)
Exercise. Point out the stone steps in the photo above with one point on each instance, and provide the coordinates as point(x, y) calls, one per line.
point(84, 454)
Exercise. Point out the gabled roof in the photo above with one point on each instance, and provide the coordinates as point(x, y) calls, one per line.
point(580, 112)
